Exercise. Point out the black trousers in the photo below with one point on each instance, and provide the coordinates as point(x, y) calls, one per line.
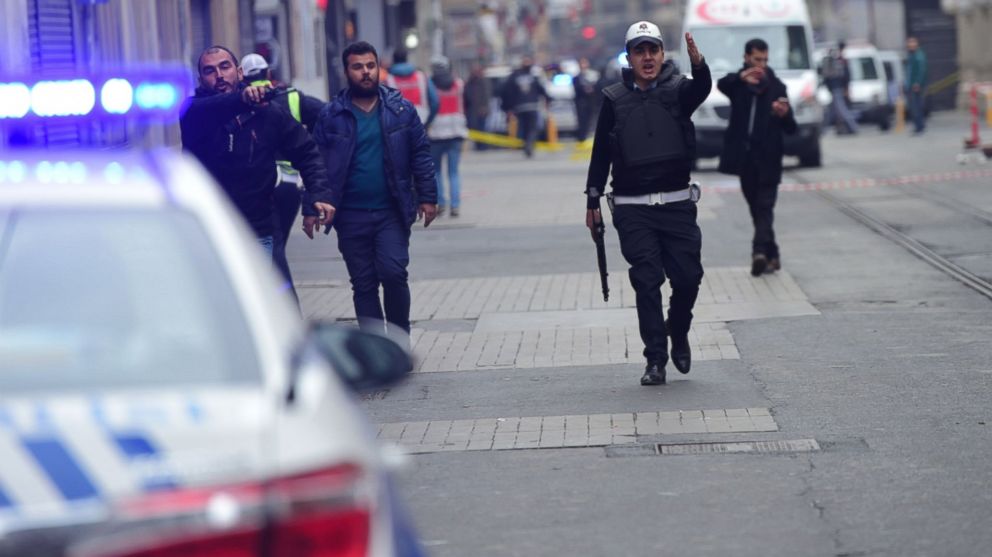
point(660, 241)
point(528, 130)
point(286, 198)
point(761, 199)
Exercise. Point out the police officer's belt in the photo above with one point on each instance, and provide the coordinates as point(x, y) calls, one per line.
point(660, 198)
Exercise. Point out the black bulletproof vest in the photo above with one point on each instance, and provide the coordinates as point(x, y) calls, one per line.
point(649, 125)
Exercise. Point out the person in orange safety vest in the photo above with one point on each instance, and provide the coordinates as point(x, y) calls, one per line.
point(447, 132)
point(414, 86)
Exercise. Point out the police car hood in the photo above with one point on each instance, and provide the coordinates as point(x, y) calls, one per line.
point(74, 460)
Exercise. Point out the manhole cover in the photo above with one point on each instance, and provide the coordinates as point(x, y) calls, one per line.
point(756, 447)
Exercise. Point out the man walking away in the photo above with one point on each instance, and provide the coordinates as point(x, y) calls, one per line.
point(287, 196)
point(414, 86)
point(521, 96)
point(235, 133)
point(837, 77)
point(448, 132)
point(478, 94)
point(752, 145)
point(379, 163)
point(645, 133)
point(586, 98)
point(916, 83)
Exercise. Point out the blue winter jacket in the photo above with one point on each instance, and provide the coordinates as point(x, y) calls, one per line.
point(409, 166)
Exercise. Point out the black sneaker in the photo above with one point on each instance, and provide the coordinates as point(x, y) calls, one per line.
point(774, 264)
point(758, 264)
point(653, 374)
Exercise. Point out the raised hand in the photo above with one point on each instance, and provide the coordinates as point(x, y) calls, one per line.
point(694, 56)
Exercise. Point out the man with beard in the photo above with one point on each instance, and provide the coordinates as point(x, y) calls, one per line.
point(381, 173)
point(235, 134)
point(645, 133)
point(752, 145)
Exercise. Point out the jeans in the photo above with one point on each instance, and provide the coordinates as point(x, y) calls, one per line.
point(478, 122)
point(375, 245)
point(659, 241)
point(286, 198)
point(452, 149)
point(761, 199)
point(916, 110)
point(840, 113)
point(266, 243)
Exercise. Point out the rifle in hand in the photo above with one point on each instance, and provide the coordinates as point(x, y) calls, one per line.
point(599, 236)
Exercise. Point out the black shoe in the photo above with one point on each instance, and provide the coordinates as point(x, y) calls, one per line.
point(774, 264)
point(758, 264)
point(681, 353)
point(653, 374)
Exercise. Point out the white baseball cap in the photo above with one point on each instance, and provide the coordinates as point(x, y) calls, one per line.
point(253, 64)
point(643, 31)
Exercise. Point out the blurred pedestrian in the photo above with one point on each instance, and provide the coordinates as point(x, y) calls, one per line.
point(478, 96)
point(916, 83)
point(287, 196)
point(753, 143)
point(586, 98)
point(382, 177)
point(236, 133)
point(521, 96)
point(645, 133)
point(414, 85)
point(447, 133)
point(837, 77)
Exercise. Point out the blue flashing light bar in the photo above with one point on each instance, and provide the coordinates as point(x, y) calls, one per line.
point(562, 79)
point(70, 171)
point(145, 95)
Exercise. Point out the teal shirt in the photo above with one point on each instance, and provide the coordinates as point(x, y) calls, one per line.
point(366, 185)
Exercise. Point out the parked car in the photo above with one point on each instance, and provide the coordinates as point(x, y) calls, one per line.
point(158, 395)
point(871, 91)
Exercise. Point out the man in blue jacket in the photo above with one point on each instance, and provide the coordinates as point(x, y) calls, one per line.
point(381, 178)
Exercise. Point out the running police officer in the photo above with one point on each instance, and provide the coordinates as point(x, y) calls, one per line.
point(645, 133)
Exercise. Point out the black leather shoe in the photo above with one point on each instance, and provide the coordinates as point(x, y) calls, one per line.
point(681, 353)
point(653, 374)
point(758, 264)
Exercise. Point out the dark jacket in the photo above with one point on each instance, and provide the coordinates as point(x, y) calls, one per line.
point(668, 175)
point(478, 92)
point(409, 166)
point(237, 144)
point(763, 145)
point(522, 92)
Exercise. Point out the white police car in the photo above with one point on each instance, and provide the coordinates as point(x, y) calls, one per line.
point(157, 397)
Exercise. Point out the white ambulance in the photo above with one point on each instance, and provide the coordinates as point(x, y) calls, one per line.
point(721, 28)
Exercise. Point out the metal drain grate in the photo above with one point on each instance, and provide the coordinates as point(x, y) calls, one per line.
point(757, 447)
point(734, 447)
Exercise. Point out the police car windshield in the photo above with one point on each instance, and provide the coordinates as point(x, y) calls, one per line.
point(724, 46)
point(109, 299)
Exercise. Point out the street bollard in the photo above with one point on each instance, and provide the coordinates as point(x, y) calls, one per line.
point(552, 130)
point(974, 141)
point(511, 125)
point(900, 125)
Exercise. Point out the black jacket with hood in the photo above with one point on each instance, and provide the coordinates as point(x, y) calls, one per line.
point(238, 143)
point(758, 140)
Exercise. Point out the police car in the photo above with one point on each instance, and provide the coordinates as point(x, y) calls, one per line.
point(157, 396)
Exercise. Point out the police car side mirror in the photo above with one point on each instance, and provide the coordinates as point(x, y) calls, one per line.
point(364, 361)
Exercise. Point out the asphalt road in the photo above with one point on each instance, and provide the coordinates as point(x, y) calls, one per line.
point(892, 377)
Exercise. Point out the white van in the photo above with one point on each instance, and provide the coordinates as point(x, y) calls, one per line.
point(720, 29)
